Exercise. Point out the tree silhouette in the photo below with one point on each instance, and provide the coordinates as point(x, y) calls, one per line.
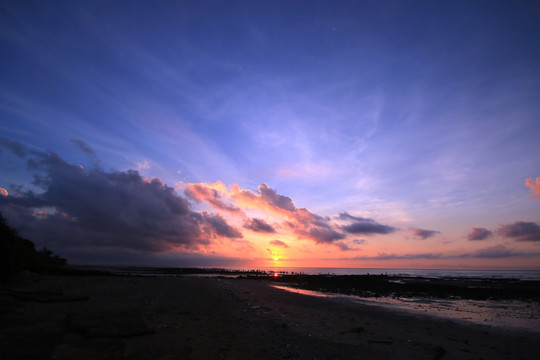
point(18, 253)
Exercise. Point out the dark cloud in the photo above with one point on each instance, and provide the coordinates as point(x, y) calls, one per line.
point(313, 226)
point(259, 225)
point(279, 243)
point(13, 146)
point(479, 234)
point(343, 246)
point(359, 241)
point(423, 233)
point(107, 209)
point(84, 147)
point(364, 226)
point(272, 197)
point(346, 216)
point(318, 231)
point(324, 234)
point(521, 231)
point(218, 226)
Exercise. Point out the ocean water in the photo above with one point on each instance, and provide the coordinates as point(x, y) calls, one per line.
point(430, 273)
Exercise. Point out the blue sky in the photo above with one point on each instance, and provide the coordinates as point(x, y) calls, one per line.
point(413, 114)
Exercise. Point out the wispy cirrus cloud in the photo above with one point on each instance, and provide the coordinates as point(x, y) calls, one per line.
point(84, 147)
point(15, 147)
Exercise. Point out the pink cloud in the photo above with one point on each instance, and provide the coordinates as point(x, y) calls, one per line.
point(300, 221)
point(535, 188)
point(211, 194)
point(279, 243)
point(3, 192)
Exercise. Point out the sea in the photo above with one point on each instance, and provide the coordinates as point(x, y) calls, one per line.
point(428, 273)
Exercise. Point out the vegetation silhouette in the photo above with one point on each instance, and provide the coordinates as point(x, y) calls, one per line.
point(18, 254)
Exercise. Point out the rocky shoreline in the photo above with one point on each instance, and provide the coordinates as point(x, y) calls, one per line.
point(186, 317)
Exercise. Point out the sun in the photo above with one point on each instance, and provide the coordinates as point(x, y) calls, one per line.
point(276, 258)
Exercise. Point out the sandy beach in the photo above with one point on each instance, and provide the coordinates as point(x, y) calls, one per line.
point(114, 317)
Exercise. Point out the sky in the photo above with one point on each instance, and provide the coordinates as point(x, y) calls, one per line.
point(367, 134)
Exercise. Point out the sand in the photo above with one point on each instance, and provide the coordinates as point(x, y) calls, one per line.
point(109, 317)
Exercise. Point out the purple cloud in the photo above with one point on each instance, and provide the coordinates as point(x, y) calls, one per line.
point(218, 224)
point(343, 246)
point(521, 231)
point(479, 234)
point(364, 226)
point(279, 243)
point(423, 233)
point(120, 209)
point(259, 225)
point(498, 251)
point(272, 197)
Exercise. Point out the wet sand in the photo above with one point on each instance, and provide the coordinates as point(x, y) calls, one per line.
point(110, 317)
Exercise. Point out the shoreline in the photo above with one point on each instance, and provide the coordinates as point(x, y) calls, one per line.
point(225, 318)
point(508, 314)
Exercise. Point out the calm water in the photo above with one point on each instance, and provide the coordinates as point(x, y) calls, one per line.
point(432, 273)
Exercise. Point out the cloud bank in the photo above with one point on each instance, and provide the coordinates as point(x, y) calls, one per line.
point(298, 221)
point(96, 208)
point(78, 208)
point(492, 252)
